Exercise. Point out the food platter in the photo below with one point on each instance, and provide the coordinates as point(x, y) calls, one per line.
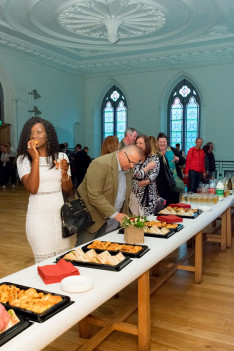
point(183, 213)
point(137, 254)
point(38, 317)
point(114, 268)
point(16, 329)
point(155, 235)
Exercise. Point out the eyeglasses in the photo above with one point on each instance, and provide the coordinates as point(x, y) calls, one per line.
point(130, 162)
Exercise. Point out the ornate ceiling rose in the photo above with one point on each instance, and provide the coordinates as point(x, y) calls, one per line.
point(111, 19)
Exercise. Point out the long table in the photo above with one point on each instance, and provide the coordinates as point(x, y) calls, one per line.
point(107, 284)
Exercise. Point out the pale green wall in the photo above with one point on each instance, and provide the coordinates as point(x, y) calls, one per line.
point(147, 94)
point(72, 103)
point(62, 95)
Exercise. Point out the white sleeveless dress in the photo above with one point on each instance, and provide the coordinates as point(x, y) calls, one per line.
point(43, 220)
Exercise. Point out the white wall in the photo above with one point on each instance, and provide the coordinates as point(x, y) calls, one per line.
point(147, 94)
point(62, 95)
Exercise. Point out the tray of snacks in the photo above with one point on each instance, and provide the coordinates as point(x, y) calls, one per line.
point(155, 231)
point(130, 250)
point(35, 304)
point(11, 324)
point(93, 259)
point(180, 212)
point(172, 226)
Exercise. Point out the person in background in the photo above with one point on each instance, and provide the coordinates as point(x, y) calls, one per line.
point(109, 144)
point(174, 161)
point(144, 190)
point(106, 190)
point(45, 173)
point(72, 163)
point(8, 165)
point(195, 166)
point(1, 168)
point(207, 164)
point(86, 149)
point(154, 145)
point(130, 135)
point(180, 151)
point(62, 148)
point(82, 161)
point(211, 158)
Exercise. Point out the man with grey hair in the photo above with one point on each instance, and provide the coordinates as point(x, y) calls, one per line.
point(130, 136)
point(106, 191)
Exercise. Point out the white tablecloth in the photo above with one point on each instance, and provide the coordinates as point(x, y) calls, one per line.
point(106, 283)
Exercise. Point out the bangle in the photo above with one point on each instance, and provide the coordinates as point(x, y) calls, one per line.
point(65, 180)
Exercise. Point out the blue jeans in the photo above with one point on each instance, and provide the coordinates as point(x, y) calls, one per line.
point(194, 180)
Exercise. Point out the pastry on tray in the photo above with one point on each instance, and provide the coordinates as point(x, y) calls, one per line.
point(107, 245)
point(28, 299)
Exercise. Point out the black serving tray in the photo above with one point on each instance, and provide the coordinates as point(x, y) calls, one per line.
point(39, 317)
point(15, 330)
point(107, 267)
point(178, 228)
point(196, 214)
point(155, 235)
point(128, 254)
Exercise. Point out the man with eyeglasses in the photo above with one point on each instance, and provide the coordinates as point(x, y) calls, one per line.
point(106, 191)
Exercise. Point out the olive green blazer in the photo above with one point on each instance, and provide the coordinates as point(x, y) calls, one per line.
point(99, 189)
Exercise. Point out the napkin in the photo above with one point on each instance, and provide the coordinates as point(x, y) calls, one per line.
point(54, 273)
point(181, 205)
point(170, 219)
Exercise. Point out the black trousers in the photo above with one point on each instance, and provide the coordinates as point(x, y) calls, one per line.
point(194, 180)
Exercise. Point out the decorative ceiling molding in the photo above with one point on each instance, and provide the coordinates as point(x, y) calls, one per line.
point(112, 20)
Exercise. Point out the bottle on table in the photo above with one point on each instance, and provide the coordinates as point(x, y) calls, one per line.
point(212, 186)
point(230, 184)
point(220, 189)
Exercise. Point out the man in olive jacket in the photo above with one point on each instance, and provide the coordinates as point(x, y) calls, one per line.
point(106, 190)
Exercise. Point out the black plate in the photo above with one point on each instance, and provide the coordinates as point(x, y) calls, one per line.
point(107, 267)
point(178, 228)
point(15, 330)
point(128, 254)
point(39, 317)
point(196, 214)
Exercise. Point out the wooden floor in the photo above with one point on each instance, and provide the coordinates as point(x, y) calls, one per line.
point(184, 316)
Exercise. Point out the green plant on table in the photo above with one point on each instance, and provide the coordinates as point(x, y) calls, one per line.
point(134, 221)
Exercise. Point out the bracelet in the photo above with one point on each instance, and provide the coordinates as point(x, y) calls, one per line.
point(65, 180)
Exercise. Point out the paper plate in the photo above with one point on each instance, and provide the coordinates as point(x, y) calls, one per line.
point(78, 283)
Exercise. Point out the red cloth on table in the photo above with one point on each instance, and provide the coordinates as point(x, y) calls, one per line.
point(181, 205)
point(170, 219)
point(54, 273)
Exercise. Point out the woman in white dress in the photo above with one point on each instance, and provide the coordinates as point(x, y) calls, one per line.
point(44, 172)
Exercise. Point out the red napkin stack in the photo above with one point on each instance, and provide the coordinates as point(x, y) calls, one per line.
point(170, 219)
point(181, 205)
point(54, 273)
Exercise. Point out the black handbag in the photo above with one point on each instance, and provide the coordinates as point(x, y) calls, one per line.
point(168, 175)
point(75, 216)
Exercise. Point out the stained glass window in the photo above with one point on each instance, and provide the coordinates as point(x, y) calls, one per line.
point(184, 115)
point(114, 113)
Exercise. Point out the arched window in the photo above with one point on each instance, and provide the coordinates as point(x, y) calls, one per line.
point(184, 115)
point(114, 113)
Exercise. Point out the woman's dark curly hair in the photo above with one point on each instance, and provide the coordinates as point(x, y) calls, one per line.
point(52, 140)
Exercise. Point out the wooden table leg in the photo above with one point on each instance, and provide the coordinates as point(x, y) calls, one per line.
point(229, 228)
point(224, 231)
point(144, 327)
point(198, 257)
point(84, 328)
